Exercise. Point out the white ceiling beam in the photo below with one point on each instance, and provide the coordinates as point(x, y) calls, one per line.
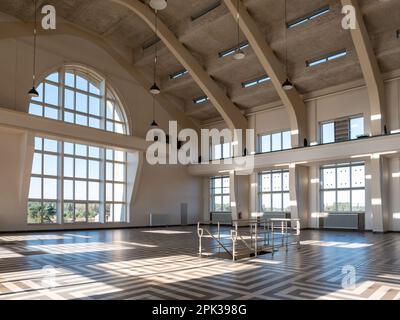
point(230, 113)
point(275, 70)
point(370, 69)
point(22, 29)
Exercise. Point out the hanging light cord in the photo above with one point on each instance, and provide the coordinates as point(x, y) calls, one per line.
point(34, 44)
point(154, 109)
point(155, 47)
point(238, 24)
point(286, 51)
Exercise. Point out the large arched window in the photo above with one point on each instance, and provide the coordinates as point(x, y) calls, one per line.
point(78, 96)
point(75, 182)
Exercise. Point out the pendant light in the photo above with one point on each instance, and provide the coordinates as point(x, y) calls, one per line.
point(154, 124)
point(158, 4)
point(287, 84)
point(33, 92)
point(239, 53)
point(155, 89)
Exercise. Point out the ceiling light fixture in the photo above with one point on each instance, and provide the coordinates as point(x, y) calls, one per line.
point(239, 53)
point(155, 89)
point(158, 4)
point(154, 124)
point(33, 92)
point(287, 84)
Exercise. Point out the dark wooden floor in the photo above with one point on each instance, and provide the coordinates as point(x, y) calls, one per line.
point(164, 264)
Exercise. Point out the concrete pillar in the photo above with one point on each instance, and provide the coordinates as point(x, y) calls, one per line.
point(379, 189)
point(298, 186)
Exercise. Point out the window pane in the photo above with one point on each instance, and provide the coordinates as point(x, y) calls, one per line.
point(119, 213)
point(276, 142)
point(94, 88)
point(329, 201)
point(94, 106)
point(119, 172)
point(68, 212)
point(329, 177)
point(94, 123)
point(81, 102)
point(50, 164)
point(35, 210)
point(265, 143)
point(109, 192)
point(266, 203)
point(38, 143)
point(328, 132)
point(81, 83)
point(80, 168)
point(94, 191)
point(80, 212)
point(226, 204)
point(94, 169)
point(80, 190)
point(53, 77)
point(51, 113)
point(50, 212)
point(81, 150)
point(277, 202)
point(93, 212)
point(286, 181)
point(343, 177)
point(37, 163)
point(343, 204)
point(119, 156)
point(277, 182)
point(227, 150)
point(286, 202)
point(69, 79)
point(119, 192)
point(226, 182)
point(287, 140)
point(68, 148)
point(81, 120)
point(68, 167)
point(358, 177)
point(109, 212)
point(68, 190)
point(50, 189)
point(109, 171)
point(266, 182)
point(109, 154)
point(69, 117)
point(69, 99)
point(94, 152)
point(51, 94)
point(217, 152)
point(50, 145)
point(36, 110)
point(110, 111)
point(35, 188)
point(358, 201)
point(356, 127)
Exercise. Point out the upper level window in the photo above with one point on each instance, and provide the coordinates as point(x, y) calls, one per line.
point(342, 130)
point(309, 17)
point(75, 95)
point(327, 58)
point(220, 199)
point(222, 151)
point(274, 142)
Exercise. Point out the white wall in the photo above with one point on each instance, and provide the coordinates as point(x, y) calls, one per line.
point(160, 190)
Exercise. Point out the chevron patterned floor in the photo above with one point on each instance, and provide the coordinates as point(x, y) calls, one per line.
point(164, 264)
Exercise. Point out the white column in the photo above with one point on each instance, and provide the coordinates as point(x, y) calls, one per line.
point(298, 186)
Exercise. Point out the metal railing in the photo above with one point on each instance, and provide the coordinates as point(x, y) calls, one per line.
point(250, 238)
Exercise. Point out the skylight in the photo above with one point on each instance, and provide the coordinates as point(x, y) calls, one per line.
point(178, 74)
point(309, 17)
point(200, 100)
point(231, 51)
point(330, 57)
point(255, 82)
point(206, 10)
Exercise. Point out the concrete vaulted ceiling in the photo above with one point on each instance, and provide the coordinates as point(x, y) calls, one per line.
point(215, 31)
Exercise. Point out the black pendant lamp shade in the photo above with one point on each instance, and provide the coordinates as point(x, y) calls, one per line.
point(33, 92)
point(154, 89)
point(287, 85)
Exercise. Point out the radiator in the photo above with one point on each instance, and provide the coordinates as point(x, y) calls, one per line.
point(162, 219)
point(341, 221)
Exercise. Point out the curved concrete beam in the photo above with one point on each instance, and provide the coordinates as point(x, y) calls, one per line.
point(229, 112)
point(370, 69)
point(291, 99)
point(21, 29)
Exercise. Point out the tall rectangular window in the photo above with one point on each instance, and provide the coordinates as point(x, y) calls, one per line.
point(83, 183)
point(343, 188)
point(222, 151)
point(274, 142)
point(273, 192)
point(220, 199)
